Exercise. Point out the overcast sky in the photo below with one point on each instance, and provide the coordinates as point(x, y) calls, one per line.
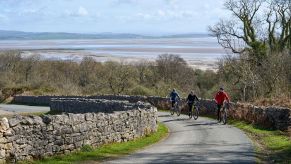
point(118, 16)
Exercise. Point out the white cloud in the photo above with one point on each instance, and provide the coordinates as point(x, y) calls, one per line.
point(3, 18)
point(144, 16)
point(171, 2)
point(126, 1)
point(110, 15)
point(81, 12)
point(161, 15)
point(28, 11)
point(36, 11)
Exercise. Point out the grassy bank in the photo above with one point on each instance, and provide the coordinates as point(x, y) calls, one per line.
point(88, 154)
point(272, 146)
point(11, 114)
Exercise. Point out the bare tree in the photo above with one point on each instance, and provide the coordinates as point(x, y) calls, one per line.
point(242, 27)
point(117, 76)
point(28, 64)
point(250, 30)
point(237, 72)
point(9, 66)
point(278, 19)
point(170, 66)
point(144, 71)
point(87, 71)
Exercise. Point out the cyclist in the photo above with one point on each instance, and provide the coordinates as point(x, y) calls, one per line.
point(220, 97)
point(174, 96)
point(191, 100)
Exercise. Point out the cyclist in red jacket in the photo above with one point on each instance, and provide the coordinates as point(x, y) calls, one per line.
point(220, 97)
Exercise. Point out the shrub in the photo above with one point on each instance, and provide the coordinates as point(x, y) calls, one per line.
point(141, 90)
point(7, 92)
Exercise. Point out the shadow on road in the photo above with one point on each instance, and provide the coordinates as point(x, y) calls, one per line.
point(167, 115)
point(198, 157)
point(204, 123)
point(178, 119)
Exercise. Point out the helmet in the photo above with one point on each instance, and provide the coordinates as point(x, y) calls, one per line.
point(221, 88)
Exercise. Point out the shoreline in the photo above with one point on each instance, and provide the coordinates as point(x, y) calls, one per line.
point(201, 53)
point(195, 60)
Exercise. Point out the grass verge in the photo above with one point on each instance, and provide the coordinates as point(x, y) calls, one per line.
point(11, 114)
point(91, 155)
point(272, 146)
point(23, 114)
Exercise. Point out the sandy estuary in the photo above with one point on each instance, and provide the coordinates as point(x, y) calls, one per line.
point(202, 53)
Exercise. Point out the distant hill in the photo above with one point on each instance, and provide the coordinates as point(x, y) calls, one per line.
point(186, 36)
point(20, 35)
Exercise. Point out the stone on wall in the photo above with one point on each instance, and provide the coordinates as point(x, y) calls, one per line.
point(29, 137)
point(271, 117)
point(268, 117)
point(85, 105)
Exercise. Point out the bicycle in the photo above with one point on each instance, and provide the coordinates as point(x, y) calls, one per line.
point(194, 111)
point(175, 109)
point(223, 113)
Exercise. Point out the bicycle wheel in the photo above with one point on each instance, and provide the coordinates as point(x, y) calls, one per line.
point(172, 111)
point(178, 110)
point(220, 116)
point(196, 113)
point(224, 116)
point(190, 113)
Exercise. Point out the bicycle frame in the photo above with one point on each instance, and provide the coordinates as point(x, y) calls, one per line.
point(223, 113)
point(175, 109)
point(194, 112)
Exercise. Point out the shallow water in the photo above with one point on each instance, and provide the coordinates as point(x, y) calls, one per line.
point(198, 52)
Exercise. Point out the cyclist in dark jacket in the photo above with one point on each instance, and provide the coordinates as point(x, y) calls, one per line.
point(174, 96)
point(191, 99)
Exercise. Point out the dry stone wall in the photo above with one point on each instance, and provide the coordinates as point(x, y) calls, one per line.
point(37, 100)
point(158, 102)
point(85, 105)
point(27, 137)
point(270, 117)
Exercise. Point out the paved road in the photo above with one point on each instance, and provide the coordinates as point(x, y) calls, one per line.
point(195, 141)
point(10, 109)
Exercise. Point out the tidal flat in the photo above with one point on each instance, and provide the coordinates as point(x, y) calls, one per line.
point(202, 53)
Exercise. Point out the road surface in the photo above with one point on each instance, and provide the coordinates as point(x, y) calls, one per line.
point(190, 141)
point(11, 109)
point(195, 141)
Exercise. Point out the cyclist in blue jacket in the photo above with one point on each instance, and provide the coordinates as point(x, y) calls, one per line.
point(174, 97)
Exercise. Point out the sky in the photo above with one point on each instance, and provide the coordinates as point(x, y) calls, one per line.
point(116, 16)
